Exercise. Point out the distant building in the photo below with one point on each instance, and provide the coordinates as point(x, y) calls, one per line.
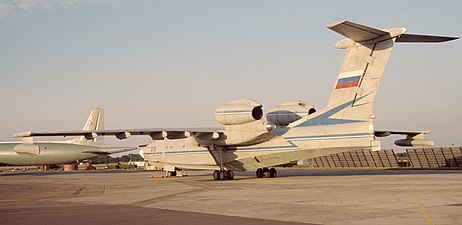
point(138, 164)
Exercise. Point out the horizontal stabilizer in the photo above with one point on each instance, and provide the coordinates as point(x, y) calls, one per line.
point(413, 138)
point(410, 134)
point(356, 32)
point(423, 38)
point(361, 33)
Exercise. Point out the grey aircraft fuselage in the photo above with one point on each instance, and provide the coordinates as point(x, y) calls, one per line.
point(45, 153)
point(30, 152)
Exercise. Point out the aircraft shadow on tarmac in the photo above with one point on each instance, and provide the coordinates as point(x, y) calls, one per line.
point(345, 172)
point(251, 174)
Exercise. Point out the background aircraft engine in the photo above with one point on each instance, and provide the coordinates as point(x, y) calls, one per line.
point(238, 112)
point(285, 113)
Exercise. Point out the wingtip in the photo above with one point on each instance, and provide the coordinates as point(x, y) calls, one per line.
point(22, 134)
point(335, 24)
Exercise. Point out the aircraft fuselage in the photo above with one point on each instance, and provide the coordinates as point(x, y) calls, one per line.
point(44, 153)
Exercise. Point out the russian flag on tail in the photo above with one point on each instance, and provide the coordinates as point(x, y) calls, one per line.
point(349, 79)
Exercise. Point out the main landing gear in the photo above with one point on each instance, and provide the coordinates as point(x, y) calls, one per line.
point(171, 173)
point(223, 175)
point(266, 173)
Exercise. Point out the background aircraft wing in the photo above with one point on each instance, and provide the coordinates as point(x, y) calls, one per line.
point(156, 134)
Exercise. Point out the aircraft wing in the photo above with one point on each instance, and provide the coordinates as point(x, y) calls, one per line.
point(409, 134)
point(155, 134)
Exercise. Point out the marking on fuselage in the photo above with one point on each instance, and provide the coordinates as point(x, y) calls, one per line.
point(330, 136)
point(324, 118)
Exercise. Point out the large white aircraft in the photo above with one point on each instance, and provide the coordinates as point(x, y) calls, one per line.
point(292, 130)
point(30, 152)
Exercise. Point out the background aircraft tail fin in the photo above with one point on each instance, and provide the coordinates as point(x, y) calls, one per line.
point(94, 122)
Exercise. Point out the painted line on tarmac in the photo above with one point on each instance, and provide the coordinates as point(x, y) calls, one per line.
point(80, 190)
point(8, 200)
point(425, 213)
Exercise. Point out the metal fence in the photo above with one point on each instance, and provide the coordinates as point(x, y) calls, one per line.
point(435, 157)
point(359, 158)
point(416, 157)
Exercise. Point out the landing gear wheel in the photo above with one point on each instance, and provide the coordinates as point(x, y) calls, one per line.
point(229, 175)
point(273, 173)
point(259, 173)
point(266, 173)
point(216, 175)
point(222, 175)
point(171, 173)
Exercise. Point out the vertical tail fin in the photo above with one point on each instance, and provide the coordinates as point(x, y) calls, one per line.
point(94, 122)
point(367, 52)
point(347, 120)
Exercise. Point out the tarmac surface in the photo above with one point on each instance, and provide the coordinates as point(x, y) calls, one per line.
point(294, 197)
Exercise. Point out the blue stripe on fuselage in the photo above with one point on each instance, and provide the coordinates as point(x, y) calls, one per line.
point(290, 140)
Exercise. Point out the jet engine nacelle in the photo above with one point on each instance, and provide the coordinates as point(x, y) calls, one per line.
point(414, 142)
point(285, 113)
point(238, 112)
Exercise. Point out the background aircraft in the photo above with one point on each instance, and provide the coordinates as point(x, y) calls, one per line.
point(292, 130)
point(30, 152)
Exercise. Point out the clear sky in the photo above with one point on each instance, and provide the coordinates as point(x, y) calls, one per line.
point(158, 64)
